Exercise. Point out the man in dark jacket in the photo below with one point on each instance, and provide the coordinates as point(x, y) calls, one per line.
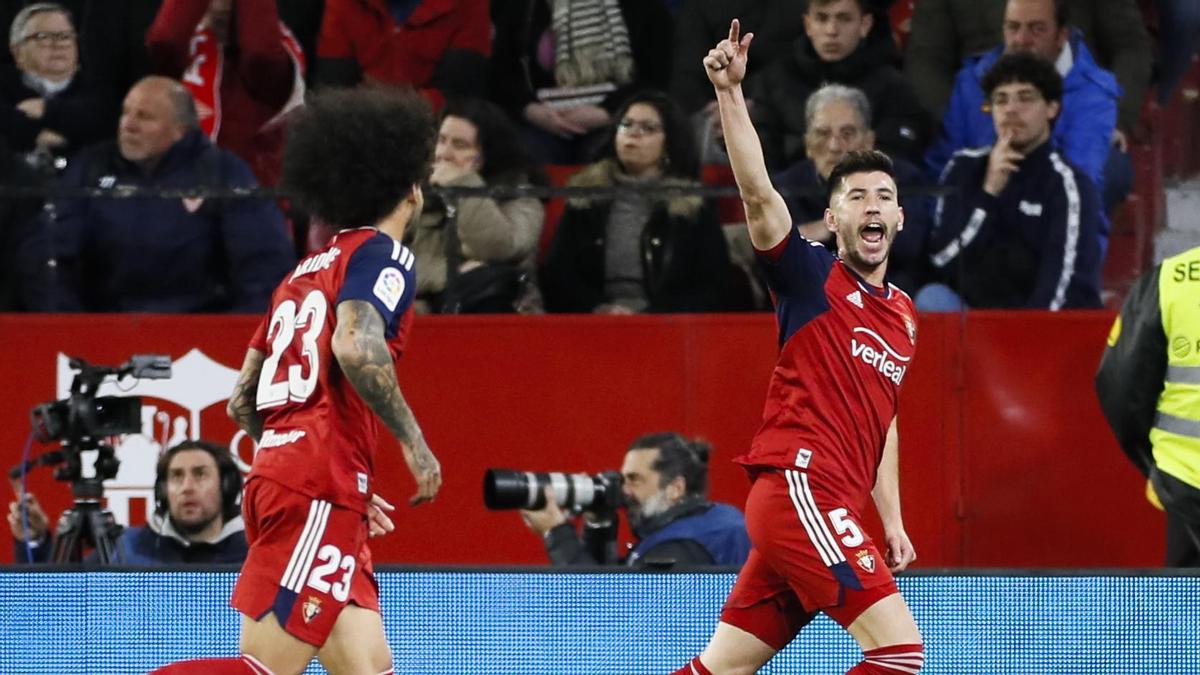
point(197, 517)
point(834, 50)
point(164, 254)
point(1019, 226)
point(838, 121)
point(664, 482)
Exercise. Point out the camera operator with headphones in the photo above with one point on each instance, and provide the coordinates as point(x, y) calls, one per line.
point(197, 516)
point(664, 488)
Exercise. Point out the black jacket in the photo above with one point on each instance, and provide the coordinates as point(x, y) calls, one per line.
point(900, 124)
point(1035, 246)
point(80, 113)
point(685, 258)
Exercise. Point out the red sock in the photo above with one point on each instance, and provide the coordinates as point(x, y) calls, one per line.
point(891, 660)
point(694, 667)
point(238, 666)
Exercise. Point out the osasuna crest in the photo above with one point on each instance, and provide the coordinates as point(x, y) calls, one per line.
point(311, 608)
point(866, 560)
point(911, 326)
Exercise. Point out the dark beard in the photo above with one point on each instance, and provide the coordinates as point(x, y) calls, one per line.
point(191, 530)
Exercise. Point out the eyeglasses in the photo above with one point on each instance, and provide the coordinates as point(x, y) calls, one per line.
point(642, 128)
point(45, 37)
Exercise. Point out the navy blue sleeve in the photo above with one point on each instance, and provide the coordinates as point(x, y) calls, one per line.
point(796, 268)
point(383, 273)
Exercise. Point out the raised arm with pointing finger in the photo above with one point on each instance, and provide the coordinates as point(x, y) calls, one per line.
point(766, 213)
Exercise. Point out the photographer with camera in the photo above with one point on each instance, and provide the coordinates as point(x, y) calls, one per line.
point(197, 516)
point(664, 484)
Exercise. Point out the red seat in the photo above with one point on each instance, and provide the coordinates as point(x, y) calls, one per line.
point(558, 175)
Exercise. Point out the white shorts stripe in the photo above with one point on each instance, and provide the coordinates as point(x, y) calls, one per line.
point(307, 560)
point(309, 549)
point(811, 518)
point(807, 498)
point(304, 534)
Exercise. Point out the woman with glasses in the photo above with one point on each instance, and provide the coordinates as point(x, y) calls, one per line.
point(47, 110)
point(648, 247)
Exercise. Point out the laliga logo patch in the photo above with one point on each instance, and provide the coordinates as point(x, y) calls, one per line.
point(911, 327)
point(389, 287)
point(866, 560)
point(312, 607)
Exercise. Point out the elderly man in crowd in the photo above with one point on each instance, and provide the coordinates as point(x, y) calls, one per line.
point(46, 109)
point(173, 253)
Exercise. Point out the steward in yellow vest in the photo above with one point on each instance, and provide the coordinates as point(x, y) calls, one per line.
point(1149, 389)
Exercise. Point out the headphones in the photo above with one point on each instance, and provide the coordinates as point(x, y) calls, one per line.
point(230, 477)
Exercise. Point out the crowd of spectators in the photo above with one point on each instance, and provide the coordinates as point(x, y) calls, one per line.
point(178, 94)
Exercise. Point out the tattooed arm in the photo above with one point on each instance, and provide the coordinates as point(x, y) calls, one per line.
point(241, 408)
point(362, 352)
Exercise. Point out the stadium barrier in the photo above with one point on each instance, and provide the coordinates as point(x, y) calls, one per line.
point(532, 622)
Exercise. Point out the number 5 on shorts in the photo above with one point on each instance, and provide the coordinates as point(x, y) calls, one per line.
point(842, 523)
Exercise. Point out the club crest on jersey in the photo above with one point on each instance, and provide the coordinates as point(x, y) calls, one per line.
point(312, 607)
point(866, 560)
point(855, 299)
point(389, 287)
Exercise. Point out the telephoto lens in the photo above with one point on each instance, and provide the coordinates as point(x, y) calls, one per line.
point(509, 489)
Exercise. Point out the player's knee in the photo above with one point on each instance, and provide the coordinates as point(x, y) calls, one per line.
point(904, 659)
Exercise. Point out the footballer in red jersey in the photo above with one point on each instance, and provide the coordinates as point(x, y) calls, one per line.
point(828, 438)
point(318, 384)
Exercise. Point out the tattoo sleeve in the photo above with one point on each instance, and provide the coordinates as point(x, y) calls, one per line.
point(362, 351)
point(242, 401)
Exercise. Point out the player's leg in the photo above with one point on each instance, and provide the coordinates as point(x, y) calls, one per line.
point(357, 645)
point(730, 651)
point(277, 651)
point(881, 623)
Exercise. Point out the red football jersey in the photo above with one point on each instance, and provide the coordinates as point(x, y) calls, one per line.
point(845, 347)
point(319, 437)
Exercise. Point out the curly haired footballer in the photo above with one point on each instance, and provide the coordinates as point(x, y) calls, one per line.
point(353, 154)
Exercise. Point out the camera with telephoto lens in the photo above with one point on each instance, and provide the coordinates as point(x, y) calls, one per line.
point(508, 489)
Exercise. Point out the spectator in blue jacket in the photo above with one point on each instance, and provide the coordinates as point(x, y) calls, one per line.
point(171, 253)
point(1084, 130)
point(1019, 224)
point(664, 485)
point(197, 515)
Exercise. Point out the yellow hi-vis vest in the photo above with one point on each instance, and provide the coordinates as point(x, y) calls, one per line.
point(1176, 432)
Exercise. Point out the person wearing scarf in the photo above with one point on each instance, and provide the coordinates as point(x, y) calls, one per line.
point(243, 67)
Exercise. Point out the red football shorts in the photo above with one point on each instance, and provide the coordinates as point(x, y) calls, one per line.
point(810, 554)
point(308, 559)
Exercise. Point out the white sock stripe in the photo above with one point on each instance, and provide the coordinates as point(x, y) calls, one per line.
point(694, 671)
point(311, 553)
point(256, 665)
point(812, 503)
point(389, 671)
point(903, 656)
point(285, 580)
point(895, 666)
point(806, 518)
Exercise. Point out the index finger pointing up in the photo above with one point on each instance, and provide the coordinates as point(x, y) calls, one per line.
point(735, 30)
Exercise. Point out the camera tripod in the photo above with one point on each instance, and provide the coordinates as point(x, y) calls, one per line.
point(86, 522)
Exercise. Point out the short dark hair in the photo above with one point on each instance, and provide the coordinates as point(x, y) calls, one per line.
point(353, 154)
point(677, 456)
point(505, 160)
point(679, 142)
point(229, 477)
point(1024, 67)
point(859, 161)
point(862, 5)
